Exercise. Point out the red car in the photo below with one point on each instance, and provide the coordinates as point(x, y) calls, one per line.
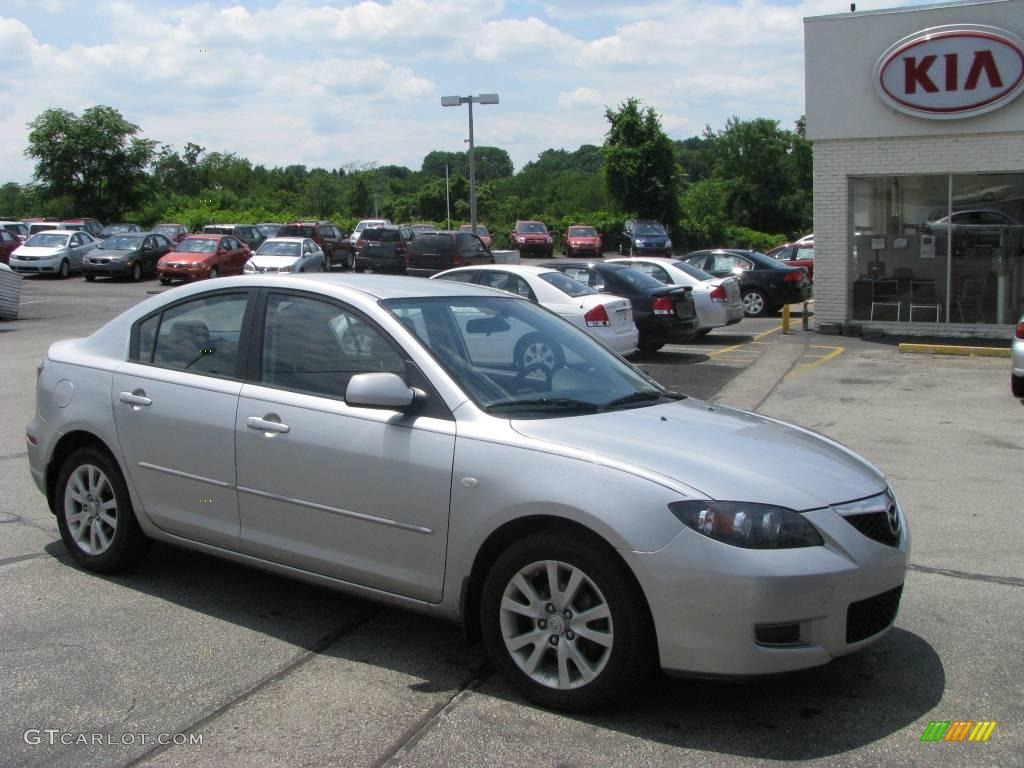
point(796, 255)
point(581, 240)
point(8, 242)
point(173, 232)
point(481, 232)
point(531, 238)
point(198, 257)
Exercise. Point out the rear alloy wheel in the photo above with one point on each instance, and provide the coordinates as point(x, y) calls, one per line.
point(136, 274)
point(566, 622)
point(754, 303)
point(65, 269)
point(534, 349)
point(94, 512)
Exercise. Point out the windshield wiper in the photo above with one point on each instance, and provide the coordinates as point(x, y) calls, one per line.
point(641, 397)
point(546, 402)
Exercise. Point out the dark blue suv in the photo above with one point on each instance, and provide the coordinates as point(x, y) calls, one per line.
point(644, 237)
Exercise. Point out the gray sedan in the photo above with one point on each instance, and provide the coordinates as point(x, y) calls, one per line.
point(287, 254)
point(377, 435)
point(52, 252)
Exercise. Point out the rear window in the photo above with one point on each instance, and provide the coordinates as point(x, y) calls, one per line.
point(381, 235)
point(432, 242)
point(215, 230)
point(637, 279)
point(692, 271)
point(296, 230)
point(567, 285)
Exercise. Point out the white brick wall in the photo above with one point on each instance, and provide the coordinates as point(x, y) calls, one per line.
point(836, 160)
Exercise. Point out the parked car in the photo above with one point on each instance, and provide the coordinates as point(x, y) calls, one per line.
point(35, 227)
point(131, 255)
point(438, 251)
point(117, 229)
point(717, 299)
point(173, 232)
point(246, 233)
point(766, 284)
point(796, 255)
point(663, 314)
point(382, 248)
point(582, 240)
point(199, 257)
point(363, 225)
point(422, 229)
point(91, 226)
point(976, 226)
point(532, 238)
point(644, 237)
point(268, 229)
point(8, 243)
point(376, 436)
point(52, 252)
point(1017, 360)
point(602, 315)
point(17, 228)
point(808, 238)
point(287, 254)
point(481, 230)
point(331, 241)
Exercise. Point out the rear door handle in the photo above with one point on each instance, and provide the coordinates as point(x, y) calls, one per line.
point(263, 425)
point(135, 398)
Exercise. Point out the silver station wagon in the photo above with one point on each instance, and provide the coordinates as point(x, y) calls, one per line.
point(385, 436)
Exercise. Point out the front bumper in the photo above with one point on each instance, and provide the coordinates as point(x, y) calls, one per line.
point(183, 273)
point(651, 250)
point(1017, 355)
point(44, 266)
point(708, 599)
point(119, 268)
point(534, 248)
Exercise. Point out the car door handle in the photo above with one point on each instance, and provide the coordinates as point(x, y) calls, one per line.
point(255, 422)
point(134, 398)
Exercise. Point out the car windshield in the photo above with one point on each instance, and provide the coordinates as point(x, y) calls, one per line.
point(480, 229)
point(268, 230)
point(121, 242)
point(483, 342)
point(272, 248)
point(166, 231)
point(48, 241)
point(648, 229)
point(692, 271)
point(532, 228)
point(195, 245)
point(114, 229)
point(566, 284)
point(582, 232)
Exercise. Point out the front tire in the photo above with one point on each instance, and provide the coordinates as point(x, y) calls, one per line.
point(136, 275)
point(214, 273)
point(755, 303)
point(165, 281)
point(89, 278)
point(64, 269)
point(95, 515)
point(1017, 385)
point(566, 622)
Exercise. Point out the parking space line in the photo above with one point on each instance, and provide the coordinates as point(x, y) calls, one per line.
point(817, 359)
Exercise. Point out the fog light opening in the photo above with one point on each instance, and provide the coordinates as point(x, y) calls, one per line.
point(776, 635)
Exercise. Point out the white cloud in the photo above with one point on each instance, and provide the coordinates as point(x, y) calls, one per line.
point(582, 97)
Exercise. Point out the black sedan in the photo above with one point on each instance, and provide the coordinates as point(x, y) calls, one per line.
point(765, 283)
point(663, 314)
point(130, 255)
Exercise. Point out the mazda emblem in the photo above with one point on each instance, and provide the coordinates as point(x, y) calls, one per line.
point(894, 518)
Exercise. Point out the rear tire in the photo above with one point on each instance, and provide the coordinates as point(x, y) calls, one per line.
point(357, 267)
point(650, 346)
point(755, 303)
point(95, 515)
point(1017, 385)
point(532, 603)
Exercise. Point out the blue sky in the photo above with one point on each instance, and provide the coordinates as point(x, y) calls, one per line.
point(359, 83)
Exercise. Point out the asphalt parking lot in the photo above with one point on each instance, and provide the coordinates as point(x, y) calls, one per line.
point(268, 671)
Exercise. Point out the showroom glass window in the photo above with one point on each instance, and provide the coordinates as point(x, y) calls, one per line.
point(938, 248)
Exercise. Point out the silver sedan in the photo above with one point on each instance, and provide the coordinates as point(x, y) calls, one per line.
point(52, 252)
point(376, 435)
point(287, 254)
point(717, 299)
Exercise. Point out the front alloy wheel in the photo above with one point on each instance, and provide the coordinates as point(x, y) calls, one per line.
point(566, 621)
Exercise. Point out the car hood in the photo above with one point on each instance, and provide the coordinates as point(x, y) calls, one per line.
point(275, 262)
point(651, 238)
point(35, 250)
point(722, 452)
point(178, 257)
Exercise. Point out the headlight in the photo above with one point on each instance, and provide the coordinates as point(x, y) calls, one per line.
point(668, 243)
point(248, 267)
point(549, 238)
point(747, 525)
point(520, 239)
point(639, 242)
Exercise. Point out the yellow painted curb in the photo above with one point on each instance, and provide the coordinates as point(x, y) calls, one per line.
point(952, 349)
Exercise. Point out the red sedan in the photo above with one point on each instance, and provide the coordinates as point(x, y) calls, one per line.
point(481, 232)
point(581, 240)
point(796, 255)
point(198, 257)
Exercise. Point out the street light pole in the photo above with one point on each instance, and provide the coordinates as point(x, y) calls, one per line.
point(455, 101)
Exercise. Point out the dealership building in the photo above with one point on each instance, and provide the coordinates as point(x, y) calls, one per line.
point(917, 120)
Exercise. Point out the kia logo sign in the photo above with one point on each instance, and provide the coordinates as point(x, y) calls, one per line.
point(950, 72)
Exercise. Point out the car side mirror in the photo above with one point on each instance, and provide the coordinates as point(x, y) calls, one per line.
point(379, 390)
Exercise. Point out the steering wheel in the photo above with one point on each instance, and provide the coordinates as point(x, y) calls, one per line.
point(520, 381)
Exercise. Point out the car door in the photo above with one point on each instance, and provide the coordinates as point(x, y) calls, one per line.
point(358, 494)
point(235, 255)
point(174, 403)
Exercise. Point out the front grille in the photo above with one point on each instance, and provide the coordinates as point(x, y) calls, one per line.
point(875, 525)
point(869, 617)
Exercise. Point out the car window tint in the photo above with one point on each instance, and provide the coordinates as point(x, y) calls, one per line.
point(506, 281)
point(201, 336)
point(459, 277)
point(315, 346)
point(652, 270)
point(805, 253)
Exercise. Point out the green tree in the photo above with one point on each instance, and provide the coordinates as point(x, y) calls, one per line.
point(705, 213)
point(639, 167)
point(97, 160)
point(322, 192)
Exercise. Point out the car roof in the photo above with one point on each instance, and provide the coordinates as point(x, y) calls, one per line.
point(515, 269)
point(67, 232)
point(285, 240)
point(204, 236)
point(587, 264)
